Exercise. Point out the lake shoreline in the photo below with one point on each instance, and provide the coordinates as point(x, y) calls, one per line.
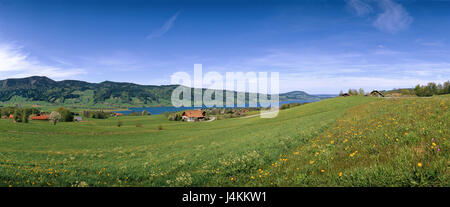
point(162, 109)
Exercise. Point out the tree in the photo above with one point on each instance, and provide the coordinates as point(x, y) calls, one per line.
point(418, 90)
point(17, 116)
point(352, 92)
point(361, 92)
point(55, 117)
point(446, 88)
point(25, 115)
point(66, 114)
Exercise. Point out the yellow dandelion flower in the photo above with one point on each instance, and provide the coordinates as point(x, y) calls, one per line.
point(419, 164)
point(340, 174)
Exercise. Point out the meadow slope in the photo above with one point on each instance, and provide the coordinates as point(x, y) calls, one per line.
point(352, 141)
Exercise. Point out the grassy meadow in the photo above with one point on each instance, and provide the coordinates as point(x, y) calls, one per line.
point(345, 141)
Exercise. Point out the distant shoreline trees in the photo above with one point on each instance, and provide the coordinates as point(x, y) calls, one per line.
point(97, 114)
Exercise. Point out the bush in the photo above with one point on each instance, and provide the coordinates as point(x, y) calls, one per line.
point(145, 113)
point(175, 117)
point(160, 127)
point(119, 123)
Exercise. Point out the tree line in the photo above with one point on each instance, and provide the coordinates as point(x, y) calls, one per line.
point(432, 89)
point(18, 114)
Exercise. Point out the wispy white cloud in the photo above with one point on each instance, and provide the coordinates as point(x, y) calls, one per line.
point(359, 7)
point(165, 28)
point(394, 17)
point(320, 72)
point(15, 63)
point(430, 43)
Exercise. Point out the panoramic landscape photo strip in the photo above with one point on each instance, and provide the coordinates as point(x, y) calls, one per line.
point(329, 93)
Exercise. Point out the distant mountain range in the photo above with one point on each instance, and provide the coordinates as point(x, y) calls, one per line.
point(43, 90)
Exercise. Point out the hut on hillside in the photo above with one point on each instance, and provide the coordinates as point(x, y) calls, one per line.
point(376, 93)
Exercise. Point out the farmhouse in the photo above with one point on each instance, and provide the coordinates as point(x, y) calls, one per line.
point(44, 117)
point(376, 93)
point(193, 115)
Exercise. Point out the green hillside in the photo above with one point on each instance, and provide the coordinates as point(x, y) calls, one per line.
point(45, 92)
point(345, 141)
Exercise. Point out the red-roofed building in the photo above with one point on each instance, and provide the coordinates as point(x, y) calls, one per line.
point(193, 115)
point(44, 117)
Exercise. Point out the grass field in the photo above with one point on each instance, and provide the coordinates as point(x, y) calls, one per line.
point(351, 141)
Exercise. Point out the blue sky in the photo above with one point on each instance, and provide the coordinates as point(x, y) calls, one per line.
point(319, 46)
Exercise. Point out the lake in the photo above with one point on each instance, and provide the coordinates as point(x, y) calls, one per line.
point(162, 109)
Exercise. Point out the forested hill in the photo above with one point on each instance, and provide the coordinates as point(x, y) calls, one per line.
point(74, 92)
